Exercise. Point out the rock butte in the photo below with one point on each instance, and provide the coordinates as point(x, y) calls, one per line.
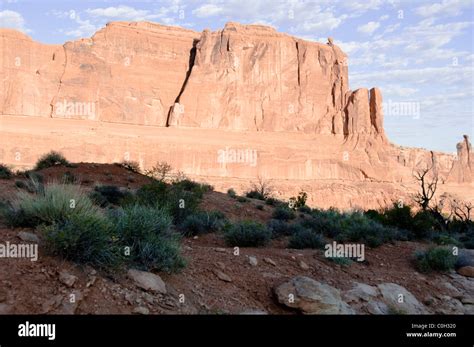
point(147, 92)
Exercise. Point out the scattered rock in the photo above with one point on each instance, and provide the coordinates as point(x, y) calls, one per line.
point(467, 271)
point(147, 281)
point(220, 265)
point(269, 261)
point(141, 310)
point(467, 300)
point(220, 250)
point(391, 295)
point(360, 291)
point(311, 297)
point(28, 237)
point(222, 276)
point(67, 279)
point(303, 265)
point(377, 307)
point(187, 248)
point(91, 281)
point(253, 261)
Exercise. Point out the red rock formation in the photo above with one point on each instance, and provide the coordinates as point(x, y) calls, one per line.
point(204, 93)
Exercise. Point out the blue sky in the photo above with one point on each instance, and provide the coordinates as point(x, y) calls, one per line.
point(420, 53)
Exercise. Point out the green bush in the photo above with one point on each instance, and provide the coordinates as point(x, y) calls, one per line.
point(254, 194)
point(260, 207)
point(152, 194)
point(435, 259)
point(424, 224)
point(83, 238)
point(328, 222)
point(56, 203)
point(356, 227)
point(50, 159)
point(247, 234)
point(306, 238)
point(242, 199)
point(231, 192)
point(343, 261)
point(399, 216)
point(283, 213)
point(69, 178)
point(273, 202)
point(445, 239)
point(203, 222)
point(305, 209)
point(108, 195)
point(147, 231)
point(5, 172)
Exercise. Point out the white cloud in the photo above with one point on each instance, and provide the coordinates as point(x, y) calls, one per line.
point(368, 28)
point(120, 12)
point(384, 17)
point(444, 8)
point(207, 10)
point(13, 20)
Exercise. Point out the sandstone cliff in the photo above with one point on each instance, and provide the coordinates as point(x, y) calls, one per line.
point(204, 93)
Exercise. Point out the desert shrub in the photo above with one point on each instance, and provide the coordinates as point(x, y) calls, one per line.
point(106, 195)
point(132, 166)
point(50, 159)
point(69, 178)
point(280, 228)
point(445, 239)
point(56, 203)
point(399, 216)
point(424, 224)
point(356, 227)
point(21, 185)
point(147, 231)
point(161, 171)
point(305, 209)
point(299, 201)
point(255, 194)
point(247, 234)
point(203, 222)
point(306, 238)
point(196, 188)
point(181, 203)
point(375, 215)
point(5, 172)
point(242, 199)
point(272, 202)
point(283, 213)
point(435, 259)
point(152, 194)
point(260, 207)
point(328, 222)
point(231, 192)
point(467, 239)
point(83, 238)
point(343, 261)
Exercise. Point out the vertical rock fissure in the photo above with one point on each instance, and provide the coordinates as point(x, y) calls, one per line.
point(192, 58)
point(60, 81)
point(298, 63)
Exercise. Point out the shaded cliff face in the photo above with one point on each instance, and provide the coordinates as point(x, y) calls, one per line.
point(196, 89)
point(244, 77)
